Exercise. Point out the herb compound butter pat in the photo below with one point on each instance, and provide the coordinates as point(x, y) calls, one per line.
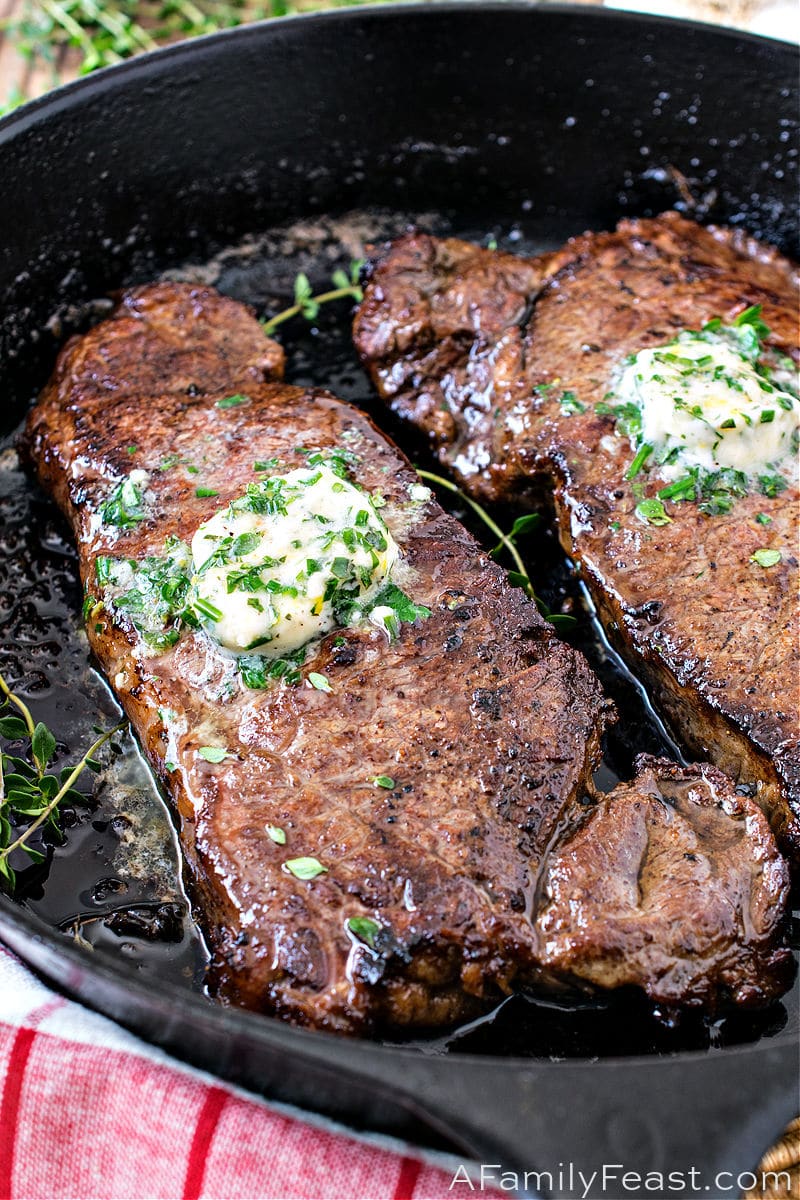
point(703, 404)
point(292, 558)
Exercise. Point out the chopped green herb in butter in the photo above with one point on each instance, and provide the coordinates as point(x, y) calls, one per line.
point(292, 557)
point(125, 506)
point(712, 413)
point(308, 545)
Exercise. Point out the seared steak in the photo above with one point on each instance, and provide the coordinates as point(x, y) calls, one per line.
point(429, 784)
point(504, 366)
point(167, 337)
point(676, 883)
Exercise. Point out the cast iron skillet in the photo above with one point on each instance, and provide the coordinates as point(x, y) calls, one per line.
point(554, 117)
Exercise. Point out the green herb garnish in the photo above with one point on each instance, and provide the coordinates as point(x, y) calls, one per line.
point(365, 929)
point(766, 558)
point(258, 672)
point(265, 496)
point(713, 491)
point(653, 512)
point(305, 868)
point(771, 485)
point(157, 598)
point(404, 608)
point(320, 683)
point(642, 455)
point(213, 754)
point(570, 404)
point(233, 401)
point(628, 416)
point(306, 304)
point(383, 781)
point(519, 576)
point(124, 507)
point(29, 795)
point(751, 318)
point(207, 609)
point(276, 834)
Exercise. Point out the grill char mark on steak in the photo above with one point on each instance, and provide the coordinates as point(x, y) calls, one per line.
point(488, 724)
point(712, 635)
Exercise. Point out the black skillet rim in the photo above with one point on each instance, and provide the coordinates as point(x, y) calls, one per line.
point(31, 927)
point(190, 1003)
point(197, 45)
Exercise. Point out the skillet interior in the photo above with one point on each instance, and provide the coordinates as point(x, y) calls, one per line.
point(506, 118)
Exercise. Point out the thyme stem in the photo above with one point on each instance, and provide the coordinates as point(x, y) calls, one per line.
point(506, 542)
point(77, 770)
point(19, 704)
point(502, 537)
point(352, 290)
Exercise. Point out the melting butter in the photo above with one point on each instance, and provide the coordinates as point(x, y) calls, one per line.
point(703, 404)
point(292, 558)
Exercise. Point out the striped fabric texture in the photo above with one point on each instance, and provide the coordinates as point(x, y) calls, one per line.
point(89, 1112)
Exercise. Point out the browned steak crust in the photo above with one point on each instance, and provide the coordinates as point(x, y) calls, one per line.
point(167, 337)
point(675, 886)
point(712, 633)
point(486, 723)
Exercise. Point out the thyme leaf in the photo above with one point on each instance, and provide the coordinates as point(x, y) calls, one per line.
point(518, 576)
point(365, 929)
point(27, 790)
point(305, 868)
point(306, 304)
point(766, 558)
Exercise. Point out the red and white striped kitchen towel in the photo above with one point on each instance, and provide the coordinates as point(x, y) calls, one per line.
point(90, 1112)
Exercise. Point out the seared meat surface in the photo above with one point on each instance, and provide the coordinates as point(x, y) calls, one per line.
point(503, 366)
point(676, 885)
point(167, 337)
point(481, 726)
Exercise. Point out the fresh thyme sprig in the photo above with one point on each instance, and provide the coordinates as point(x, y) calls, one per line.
point(506, 541)
point(308, 305)
point(26, 789)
